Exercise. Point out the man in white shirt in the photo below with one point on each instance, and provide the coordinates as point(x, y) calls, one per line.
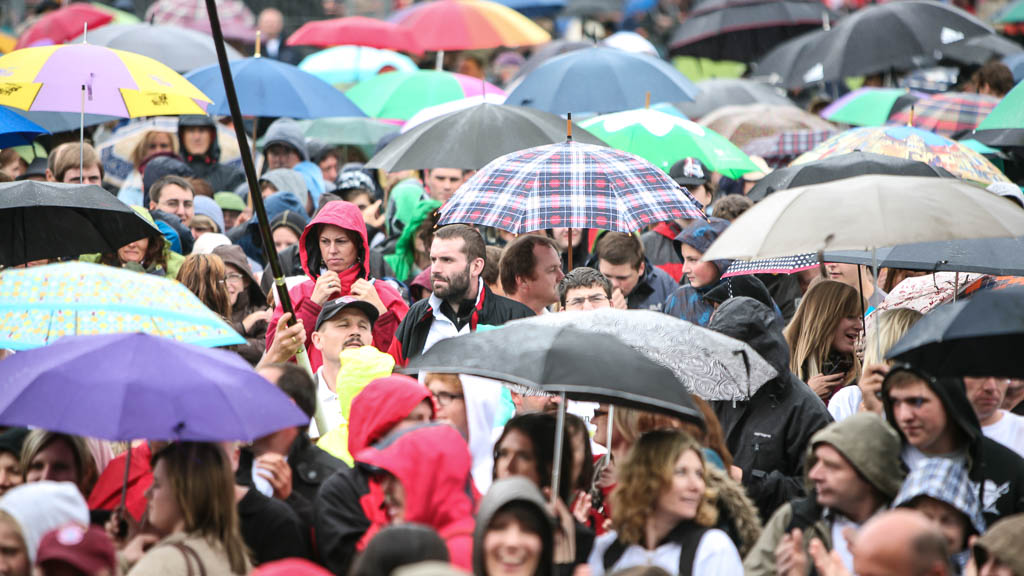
point(986, 396)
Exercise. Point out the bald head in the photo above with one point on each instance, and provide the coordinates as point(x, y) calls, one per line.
point(270, 23)
point(900, 542)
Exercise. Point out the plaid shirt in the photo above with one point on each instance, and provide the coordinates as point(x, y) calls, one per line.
point(945, 480)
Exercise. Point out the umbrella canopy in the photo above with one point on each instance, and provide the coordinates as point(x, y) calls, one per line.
point(780, 265)
point(62, 121)
point(545, 52)
point(267, 87)
point(779, 65)
point(1012, 14)
point(948, 114)
point(912, 143)
point(400, 95)
point(236, 20)
point(980, 49)
point(781, 149)
point(997, 256)
point(742, 30)
point(980, 336)
point(869, 106)
point(468, 25)
point(718, 92)
point(438, 110)
point(181, 49)
point(600, 80)
point(356, 31)
point(16, 130)
point(120, 16)
point(630, 42)
point(344, 131)
point(866, 212)
point(599, 9)
point(741, 124)
point(60, 25)
point(1016, 64)
point(40, 304)
point(842, 166)
point(42, 220)
point(350, 64)
point(569, 184)
point(584, 365)
point(117, 83)
point(663, 139)
point(471, 138)
point(710, 365)
point(158, 389)
point(1004, 126)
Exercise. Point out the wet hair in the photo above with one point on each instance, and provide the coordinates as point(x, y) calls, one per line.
point(519, 260)
point(397, 546)
point(200, 187)
point(540, 428)
point(66, 156)
point(37, 440)
point(296, 383)
point(473, 246)
point(583, 277)
point(491, 265)
point(203, 275)
point(158, 186)
point(617, 248)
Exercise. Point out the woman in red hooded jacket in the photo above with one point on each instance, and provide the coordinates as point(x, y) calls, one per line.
point(336, 257)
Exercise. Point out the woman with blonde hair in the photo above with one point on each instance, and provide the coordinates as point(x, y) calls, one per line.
point(58, 457)
point(206, 276)
point(663, 512)
point(892, 325)
point(152, 143)
point(823, 335)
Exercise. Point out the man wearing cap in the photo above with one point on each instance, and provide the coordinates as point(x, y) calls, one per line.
point(346, 322)
point(73, 549)
point(231, 206)
point(658, 243)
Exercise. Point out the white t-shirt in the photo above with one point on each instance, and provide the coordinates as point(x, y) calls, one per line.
point(839, 543)
point(1008, 431)
point(329, 403)
point(716, 556)
point(845, 402)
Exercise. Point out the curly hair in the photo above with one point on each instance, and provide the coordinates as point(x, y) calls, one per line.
point(646, 473)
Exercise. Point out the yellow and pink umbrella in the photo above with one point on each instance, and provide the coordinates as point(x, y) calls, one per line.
point(468, 25)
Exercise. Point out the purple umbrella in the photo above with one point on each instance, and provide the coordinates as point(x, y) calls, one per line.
point(126, 386)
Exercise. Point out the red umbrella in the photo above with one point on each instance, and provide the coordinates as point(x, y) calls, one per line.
point(64, 24)
point(356, 31)
point(947, 114)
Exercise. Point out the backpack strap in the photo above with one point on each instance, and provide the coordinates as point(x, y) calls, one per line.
point(190, 554)
point(688, 542)
point(612, 554)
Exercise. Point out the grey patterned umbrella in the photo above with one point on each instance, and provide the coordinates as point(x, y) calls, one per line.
point(710, 365)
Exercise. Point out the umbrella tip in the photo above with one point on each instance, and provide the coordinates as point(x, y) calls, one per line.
point(256, 54)
point(568, 127)
point(647, 101)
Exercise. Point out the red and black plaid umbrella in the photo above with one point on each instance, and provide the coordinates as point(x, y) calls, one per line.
point(948, 114)
point(781, 149)
point(569, 185)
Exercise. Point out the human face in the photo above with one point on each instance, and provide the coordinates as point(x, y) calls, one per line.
point(160, 142)
point(91, 175)
point(329, 168)
point(349, 328)
point(421, 414)
point(682, 497)
point(698, 273)
point(450, 273)
point(921, 418)
point(235, 281)
point(993, 567)
point(133, 252)
point(509, 548)
point(164, 513)
point(844, 340)
point(949, 520)
point(284, 237)
point(986, 396)
point(836, 481)
point(56, 461)
point(10, 472)
point(700, 193)
point(451, 404)
point(622, 276)
point(845, 273)
point(547, 273)
point(176, 200)
point(394, 498)
point(336, 248)
point(561, 237)
point(586, 298)
point(600, 422)
point(443, 182)
point(514, 456)
point(197, 139)
point(281, 156)
point(13, 553)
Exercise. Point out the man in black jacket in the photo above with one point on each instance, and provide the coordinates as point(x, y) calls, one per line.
point(768, 434)
point(197, 137)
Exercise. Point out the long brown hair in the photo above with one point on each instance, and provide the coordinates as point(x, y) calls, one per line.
point(204, 275)
point(153, 258)
point(813, 327)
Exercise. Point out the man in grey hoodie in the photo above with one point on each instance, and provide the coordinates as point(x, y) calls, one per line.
point(284, 145)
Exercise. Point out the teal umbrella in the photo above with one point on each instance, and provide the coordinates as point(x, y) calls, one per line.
point(1004, 125)
point(350, 64)
point(869, 106)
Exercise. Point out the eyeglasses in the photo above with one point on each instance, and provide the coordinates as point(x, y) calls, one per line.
point(598, 414)
point(446, 398)
point(593, 299)
point(235, 278)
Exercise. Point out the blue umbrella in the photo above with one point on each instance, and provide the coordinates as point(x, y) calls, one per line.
point(1015, 62)
point(15, 130)
point(534, 8)
point(55, 122)
point(601, 80)
point(270, 88)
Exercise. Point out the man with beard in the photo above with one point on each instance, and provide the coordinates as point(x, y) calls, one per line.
point(461, 300)
point(346, 322)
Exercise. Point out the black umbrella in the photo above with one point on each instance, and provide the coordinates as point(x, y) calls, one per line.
point(998, 256)
point(980, 49)
point(719, 92)
point(778, 66)
point(471, 138)
point(41, 220)
point(592, 8)
point(742, 30)
point(840, 167)
point(981, 336)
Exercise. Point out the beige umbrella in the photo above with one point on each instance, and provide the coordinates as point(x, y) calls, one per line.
point(742, 124)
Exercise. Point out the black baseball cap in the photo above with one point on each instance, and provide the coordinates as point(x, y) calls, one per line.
point(332, 307)
point(689, 172)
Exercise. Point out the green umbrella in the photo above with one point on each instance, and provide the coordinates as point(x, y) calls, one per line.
point(120, 16)
point(1012, 14)
point(663, 139)
point(868, 106)
point(1004, 125)
point(400, 95)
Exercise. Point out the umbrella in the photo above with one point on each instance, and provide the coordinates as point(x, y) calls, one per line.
point(742, 30)
point(710, 365)
point(16, 130)
point(600, 80)
point(779, 65)
point(345, 131)
point(181, 49)
point(1016, 65)
point(781, 149)
point(267, 87)
point(400, 95)
point(116, 83)
point(1012, 14)
point(663, 139)
point(63, 24)
point(630, 42)
point(468, 25)
point(157, 389)
point(236, 20)
point(980, 336)
point(120, 16)
point(569, 184)
point(947, 114)
point(55, 122)
point(40, 304)
point(545, 52)
point(350, 64)
point(869, 106)
point(357, 31)
point(910, 143)
point(1004, 126)
point(438, 110)
point(43, 220)
point(535, 8)
point(718, 92)
point(741, 124)
point(998, 256)
point(779, 265)
point(593, 8)
point(979, 50)
point(839, 167)
point(471, 138)
point(866, 212)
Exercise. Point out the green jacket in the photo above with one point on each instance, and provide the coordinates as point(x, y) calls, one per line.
point(174, 260)
point(760, 561)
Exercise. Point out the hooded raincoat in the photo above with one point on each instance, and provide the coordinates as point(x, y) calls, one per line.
point(520, 491)
point(208, 166)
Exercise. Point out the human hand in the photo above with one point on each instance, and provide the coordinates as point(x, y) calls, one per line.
point(581, 509)
point(824, 385)
point(252, 319)
point(373, 216)
point(327, 284)
point(276, 470)
point(363, 289)
point(618, 300)
point(870, 385)
point(138, 546)
point(287, 341)
point(825, 562)
point(790, 558)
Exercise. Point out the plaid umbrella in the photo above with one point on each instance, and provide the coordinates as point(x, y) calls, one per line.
point(782, 265)
point(949, 113)
point(781, 149)
point(569, 184)
point(742, 124)
point(236, 20)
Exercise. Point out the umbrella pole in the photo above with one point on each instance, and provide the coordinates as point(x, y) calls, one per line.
point(860, 292)
point(81, 140)
point(611, 426)
point(257, 199)
point(439, 62)
point(556, 466)
point(956, 285)
point(878, 328)
point(124, 485)
point(570, 249)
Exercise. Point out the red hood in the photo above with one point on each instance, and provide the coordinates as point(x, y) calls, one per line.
point(342, 214)
point(379, 407)
point(433, 465)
